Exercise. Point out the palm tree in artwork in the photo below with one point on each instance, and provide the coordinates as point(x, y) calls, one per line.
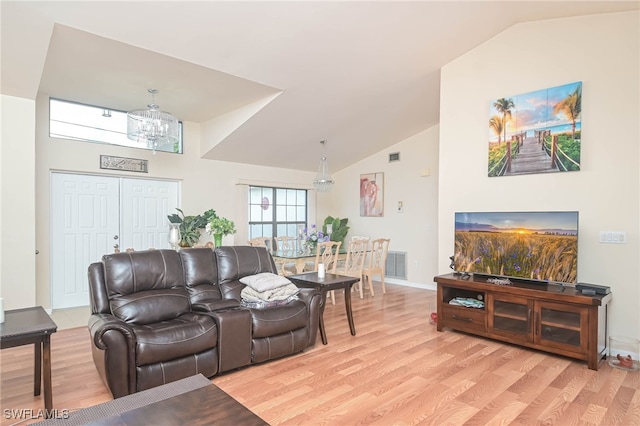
point(571, 107)
point(496, 125)
point(504, 106)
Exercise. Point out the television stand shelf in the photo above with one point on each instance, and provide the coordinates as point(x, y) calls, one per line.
point(549, 317)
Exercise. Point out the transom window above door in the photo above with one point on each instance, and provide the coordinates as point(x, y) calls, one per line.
point(87, 123)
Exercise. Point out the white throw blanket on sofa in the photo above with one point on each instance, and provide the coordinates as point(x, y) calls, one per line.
point(280, 293)
point(267, 287)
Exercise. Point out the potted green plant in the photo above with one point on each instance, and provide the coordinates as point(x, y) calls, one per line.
point(338, 227)
point(191, 226)
point(219, 227)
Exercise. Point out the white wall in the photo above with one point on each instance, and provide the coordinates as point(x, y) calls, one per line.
point(602, 51)
point(205, 184)
point(415, 230)
point(17, 203)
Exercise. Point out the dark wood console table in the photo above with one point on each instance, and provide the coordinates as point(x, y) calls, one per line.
point(549, 317)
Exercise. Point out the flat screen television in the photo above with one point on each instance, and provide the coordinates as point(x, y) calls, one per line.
point(536, 246)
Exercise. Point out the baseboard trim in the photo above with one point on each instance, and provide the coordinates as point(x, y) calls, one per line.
point(410, 284)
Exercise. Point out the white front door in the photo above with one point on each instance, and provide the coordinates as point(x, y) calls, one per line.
point(145, 206)
point(84, 221)
point(90, 215)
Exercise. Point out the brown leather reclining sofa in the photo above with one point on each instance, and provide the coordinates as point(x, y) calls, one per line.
point(161, 315)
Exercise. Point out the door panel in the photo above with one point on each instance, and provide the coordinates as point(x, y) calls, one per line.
point(145, 206)
point(562, 326)
point(510, 316)
point(84, 220)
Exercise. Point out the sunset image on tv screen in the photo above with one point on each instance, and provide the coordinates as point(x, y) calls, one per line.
point(531, 245)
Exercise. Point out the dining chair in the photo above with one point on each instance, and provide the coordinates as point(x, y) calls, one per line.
point(354, 264)
point(260, 242)
point(285, 243)
point(341, 263)
point(327, 253)
point(377, 262)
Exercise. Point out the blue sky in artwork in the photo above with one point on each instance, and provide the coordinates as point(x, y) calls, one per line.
point(534, 111)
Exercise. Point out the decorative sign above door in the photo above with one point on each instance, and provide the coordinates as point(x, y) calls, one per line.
point(127, 164)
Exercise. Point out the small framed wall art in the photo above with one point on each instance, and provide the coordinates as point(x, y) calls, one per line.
point(372, 195)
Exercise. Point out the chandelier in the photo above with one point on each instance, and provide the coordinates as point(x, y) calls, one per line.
point(152, 127)
point(323, 181)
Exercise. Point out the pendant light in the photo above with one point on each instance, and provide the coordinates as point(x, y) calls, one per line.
point(323, 181)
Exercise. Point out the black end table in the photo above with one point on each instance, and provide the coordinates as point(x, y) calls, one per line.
point(26, 326)
point(326, 284)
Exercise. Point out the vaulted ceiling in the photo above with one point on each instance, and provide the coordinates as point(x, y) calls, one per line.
point(266, 80)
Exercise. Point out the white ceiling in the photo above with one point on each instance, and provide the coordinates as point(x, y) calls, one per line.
point(268, 80)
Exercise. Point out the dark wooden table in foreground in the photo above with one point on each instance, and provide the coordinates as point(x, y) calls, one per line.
point(190, 401)
point(207, 405)
point(326, 284)
point(24, 327)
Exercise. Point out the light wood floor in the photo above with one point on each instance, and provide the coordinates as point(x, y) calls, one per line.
point(398, 370)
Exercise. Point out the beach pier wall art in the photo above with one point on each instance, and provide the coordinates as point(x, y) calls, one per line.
point(536, 132)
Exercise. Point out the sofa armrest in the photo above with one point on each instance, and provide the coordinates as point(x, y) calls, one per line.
point(212, 305)
point(307, 294)
point(99, 324)
point(113, 349)
point(313, 299)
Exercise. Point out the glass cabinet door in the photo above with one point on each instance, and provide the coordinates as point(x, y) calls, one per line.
point(510, 316)
point(561, 326)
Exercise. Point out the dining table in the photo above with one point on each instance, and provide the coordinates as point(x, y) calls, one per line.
point(300, 257)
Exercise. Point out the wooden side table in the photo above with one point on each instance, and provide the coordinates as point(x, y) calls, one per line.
point(326, 284)
point(26, 326)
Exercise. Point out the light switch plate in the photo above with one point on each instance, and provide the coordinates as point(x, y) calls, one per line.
point(613, 237)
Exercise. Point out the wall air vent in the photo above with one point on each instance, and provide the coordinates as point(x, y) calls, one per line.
point(394, 156)
point(396, 266)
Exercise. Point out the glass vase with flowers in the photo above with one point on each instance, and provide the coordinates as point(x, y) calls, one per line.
point(313, 236)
